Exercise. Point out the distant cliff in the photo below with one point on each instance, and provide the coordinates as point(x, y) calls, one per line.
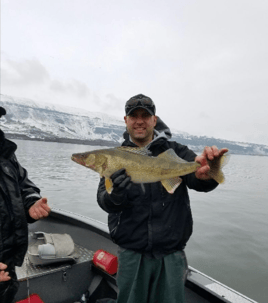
point(26, 119)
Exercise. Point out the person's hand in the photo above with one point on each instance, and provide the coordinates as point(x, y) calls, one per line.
point(209, 153)
point(39, 209)
point(4, 275)
point(121, 184)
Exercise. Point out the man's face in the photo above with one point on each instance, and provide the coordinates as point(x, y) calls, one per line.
point(140, 125)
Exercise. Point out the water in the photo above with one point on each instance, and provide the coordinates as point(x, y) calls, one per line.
point(229, 242)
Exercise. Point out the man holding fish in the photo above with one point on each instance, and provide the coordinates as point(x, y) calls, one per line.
point(143, 187)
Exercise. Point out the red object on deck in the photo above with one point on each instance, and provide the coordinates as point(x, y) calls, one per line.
point(34, 298)
point(105, 261)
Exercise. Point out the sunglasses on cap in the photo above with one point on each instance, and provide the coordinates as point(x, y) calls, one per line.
point(140, 101)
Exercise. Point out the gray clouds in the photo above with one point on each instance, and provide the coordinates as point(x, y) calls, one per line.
point(204, 63)
point(74, 87)
point(22, 77)
point(26, 72)
point(33, 73)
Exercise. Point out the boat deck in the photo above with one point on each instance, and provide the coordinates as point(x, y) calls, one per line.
point(29, 274)
point(66, 282)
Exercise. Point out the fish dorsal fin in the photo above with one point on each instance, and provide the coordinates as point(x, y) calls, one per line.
point(171, 184)
point(135, 150)
point(172, 156)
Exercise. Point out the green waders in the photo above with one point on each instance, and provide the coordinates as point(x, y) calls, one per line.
point(141, 279)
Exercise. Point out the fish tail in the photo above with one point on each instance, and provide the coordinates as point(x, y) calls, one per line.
point(216, 166)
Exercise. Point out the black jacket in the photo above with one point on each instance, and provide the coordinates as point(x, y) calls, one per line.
point(17, 195)
point(155, 221)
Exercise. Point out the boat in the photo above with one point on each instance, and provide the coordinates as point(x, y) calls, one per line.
point(84, 281)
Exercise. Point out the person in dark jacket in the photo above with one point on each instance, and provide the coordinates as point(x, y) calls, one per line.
point(150, 225)
point(20, 203)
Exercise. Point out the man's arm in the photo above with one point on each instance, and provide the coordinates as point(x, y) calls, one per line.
point(35, 206)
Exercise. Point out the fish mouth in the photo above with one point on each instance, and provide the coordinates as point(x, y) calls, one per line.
point(77, 158)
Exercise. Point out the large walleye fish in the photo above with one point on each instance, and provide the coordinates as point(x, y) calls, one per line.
point(143, 168)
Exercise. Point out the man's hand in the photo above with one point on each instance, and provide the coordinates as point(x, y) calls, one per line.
point(121, 184)
point(4, 275)
point(209, 153)
point(40, 209)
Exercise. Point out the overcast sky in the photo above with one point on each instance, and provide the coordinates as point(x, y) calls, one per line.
point(203, 62)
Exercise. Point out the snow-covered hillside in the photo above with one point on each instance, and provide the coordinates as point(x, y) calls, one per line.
point(28, 119)
point(44, 121)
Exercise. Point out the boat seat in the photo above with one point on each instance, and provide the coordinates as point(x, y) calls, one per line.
point(65, 279)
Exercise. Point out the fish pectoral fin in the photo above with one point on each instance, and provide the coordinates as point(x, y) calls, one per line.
point(171, 184)
point(108, 185)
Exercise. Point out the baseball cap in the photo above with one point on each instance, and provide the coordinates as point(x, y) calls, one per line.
point(140, 101)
